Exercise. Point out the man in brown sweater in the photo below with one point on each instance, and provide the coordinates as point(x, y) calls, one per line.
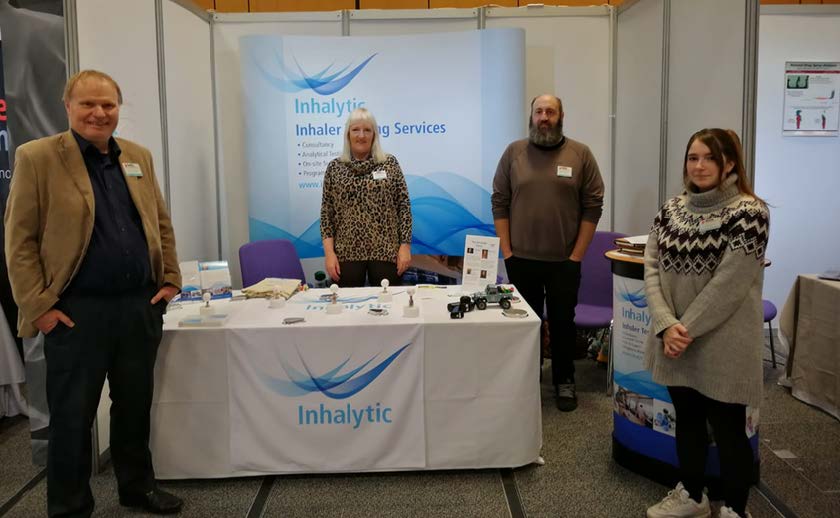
point(547, 200)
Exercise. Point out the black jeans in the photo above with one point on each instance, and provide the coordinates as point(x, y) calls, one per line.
point(117, 336)
point(728, 422)
point(553, 285)
point(353, 273)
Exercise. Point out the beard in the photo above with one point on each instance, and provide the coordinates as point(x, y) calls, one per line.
point(546, 138)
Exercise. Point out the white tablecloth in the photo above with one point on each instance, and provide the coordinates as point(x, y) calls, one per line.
point(809, 321)
point(480, 404)
point(11, 374)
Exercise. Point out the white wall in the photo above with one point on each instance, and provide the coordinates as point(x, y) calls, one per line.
point(798, 176)
point(638, 110)
point(189, 114)
point(375, 22)
point(706, 75)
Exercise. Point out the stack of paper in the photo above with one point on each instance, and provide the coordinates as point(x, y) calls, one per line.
point(832, 274)
point(633, 245)
point(266, 288)
point(199, 277)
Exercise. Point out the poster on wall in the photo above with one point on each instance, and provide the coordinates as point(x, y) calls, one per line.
point(446, 107)
point(812, 99)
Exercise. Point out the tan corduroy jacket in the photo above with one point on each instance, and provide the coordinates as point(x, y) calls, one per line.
point(49, 221)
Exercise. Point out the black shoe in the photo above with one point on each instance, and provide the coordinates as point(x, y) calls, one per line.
point(155, 501)
point(565, 397)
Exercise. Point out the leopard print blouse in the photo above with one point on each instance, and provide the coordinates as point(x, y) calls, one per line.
point(367, 216)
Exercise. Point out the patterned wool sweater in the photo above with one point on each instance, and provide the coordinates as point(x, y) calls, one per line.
point(704, 267)
point(366, 210)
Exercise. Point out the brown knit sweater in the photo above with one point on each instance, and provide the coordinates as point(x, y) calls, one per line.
point(544, 204)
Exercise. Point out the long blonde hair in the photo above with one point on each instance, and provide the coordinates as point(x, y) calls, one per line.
point(362, 115)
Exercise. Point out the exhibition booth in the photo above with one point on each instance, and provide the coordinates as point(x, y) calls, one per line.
point(242, 112)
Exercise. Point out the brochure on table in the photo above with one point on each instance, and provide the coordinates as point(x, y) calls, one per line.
point(481, 262)
point(200, 276)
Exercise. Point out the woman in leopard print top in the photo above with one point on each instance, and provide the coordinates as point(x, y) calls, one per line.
point(365, 210)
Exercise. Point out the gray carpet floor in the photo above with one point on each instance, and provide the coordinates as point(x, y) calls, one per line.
point(800, 452)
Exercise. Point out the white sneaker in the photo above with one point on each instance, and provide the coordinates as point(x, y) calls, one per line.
point(727, 512)
point(678, 504)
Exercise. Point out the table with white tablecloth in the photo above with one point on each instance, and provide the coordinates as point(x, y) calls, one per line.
point(353, 392)
point(810, 321)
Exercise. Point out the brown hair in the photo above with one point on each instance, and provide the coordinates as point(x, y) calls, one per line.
point(89, 74)
point(725, 147)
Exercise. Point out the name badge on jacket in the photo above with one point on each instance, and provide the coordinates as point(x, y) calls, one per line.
point(709, 224)
point(564, 172)
point(132, 169)
point(379, 175)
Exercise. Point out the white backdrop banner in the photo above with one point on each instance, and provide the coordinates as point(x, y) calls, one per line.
point(447, 105)
point(330, 398)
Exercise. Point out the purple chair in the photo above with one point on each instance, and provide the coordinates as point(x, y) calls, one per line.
point(594, 310)
point(271, 258)
point(769, 315)
point(595, 296)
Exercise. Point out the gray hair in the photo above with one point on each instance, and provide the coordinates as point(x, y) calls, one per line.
point(362, 115)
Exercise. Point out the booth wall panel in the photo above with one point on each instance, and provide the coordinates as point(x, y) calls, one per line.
point(192, 160)
point(134, 67)
point(796, 175)
point(300, 5)
point(205, 4)
point(638, 111)
point(232, 6)
point(569, 56)
point(571, 3)
point(705, 81)
point(231, 128)
point(361, 26)
point(394, 4)
point(434, 4)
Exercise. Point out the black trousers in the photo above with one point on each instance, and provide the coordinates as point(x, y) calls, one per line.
point(553, 285)
point(728, 421)
point(117, 336)
point(353, 273)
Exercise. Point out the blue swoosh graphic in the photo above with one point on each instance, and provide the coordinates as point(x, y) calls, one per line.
point(331, 384)
point(321, 82)
point(636, 298)
point(441, 221)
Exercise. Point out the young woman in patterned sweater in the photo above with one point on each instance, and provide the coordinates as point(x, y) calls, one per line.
point(703, 280)
point(365, 210)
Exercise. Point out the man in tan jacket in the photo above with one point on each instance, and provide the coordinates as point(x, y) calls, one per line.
point(92, 264)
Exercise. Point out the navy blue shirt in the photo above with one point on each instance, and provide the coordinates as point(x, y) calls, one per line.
point(117, 258)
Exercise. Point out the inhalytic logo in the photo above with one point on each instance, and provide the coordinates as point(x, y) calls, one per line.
point(636, 298)
point(325, 82)
point(333, 383)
